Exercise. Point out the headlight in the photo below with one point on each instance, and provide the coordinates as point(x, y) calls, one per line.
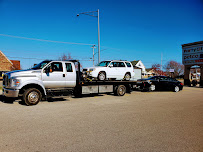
point(149, 81)
point(15, 82)
point(92, 69)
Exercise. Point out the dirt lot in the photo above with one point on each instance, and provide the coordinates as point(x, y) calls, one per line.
point(137, 122)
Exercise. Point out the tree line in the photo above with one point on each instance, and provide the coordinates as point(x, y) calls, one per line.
point(177, 69)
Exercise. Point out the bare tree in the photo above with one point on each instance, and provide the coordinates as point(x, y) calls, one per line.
point(157, 69)
point(64, 57)
point(178, 68)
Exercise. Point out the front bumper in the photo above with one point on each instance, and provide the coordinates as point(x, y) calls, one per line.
point(90, 74)
point(10, 92)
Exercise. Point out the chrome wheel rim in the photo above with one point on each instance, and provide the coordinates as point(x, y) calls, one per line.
point(121, 91)
point(33, 97)
point(127, 77)
point(176, 89)
point(152, 87)
point(101, 76)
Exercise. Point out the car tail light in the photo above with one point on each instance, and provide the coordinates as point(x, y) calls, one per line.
point(181, 84)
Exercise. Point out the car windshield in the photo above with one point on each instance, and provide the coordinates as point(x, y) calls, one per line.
point(104, 63)
point(40, 65)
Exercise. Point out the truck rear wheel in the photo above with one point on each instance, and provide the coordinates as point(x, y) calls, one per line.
point(120, 90)
point(32, 96)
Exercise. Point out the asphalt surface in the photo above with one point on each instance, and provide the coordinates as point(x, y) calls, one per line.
point(136, 122)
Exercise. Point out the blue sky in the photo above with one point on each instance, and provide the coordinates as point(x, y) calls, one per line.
point(130, 29)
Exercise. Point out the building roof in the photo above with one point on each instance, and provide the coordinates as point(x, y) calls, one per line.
point(8, 65)
point(194, 43)
point(148, 69)
point(5, 57)
point(16, 64)
point(134, 62)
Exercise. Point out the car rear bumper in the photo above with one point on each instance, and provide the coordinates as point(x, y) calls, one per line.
point(181, 87)
point(10, 92)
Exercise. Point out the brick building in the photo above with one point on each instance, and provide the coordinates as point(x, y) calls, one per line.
point(7, 65)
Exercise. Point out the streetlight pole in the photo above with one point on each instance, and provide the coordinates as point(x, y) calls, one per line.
point(92, 14)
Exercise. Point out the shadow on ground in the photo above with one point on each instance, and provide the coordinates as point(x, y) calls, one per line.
point(3, 99)
point(56, 99)
point(7, 100)
point(88, 95)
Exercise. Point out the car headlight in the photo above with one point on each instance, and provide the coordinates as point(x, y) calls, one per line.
point(149, 81)
point(15, 82)
point(93, 69)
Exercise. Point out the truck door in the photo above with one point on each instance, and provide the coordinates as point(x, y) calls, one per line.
point(54, 76)
point(70, 75)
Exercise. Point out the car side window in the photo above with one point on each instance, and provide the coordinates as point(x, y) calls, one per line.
point(69, 67)
point(121, 64)
point(128, 64)
point(114, 64)
point(171, 79)
point(56, 67)
point(162, 78)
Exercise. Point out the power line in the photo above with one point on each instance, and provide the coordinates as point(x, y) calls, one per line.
point(20, 37)
point(42, 59)
point(42, 40)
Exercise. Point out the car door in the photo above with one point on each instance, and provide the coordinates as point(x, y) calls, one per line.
point(112, 71)
point(54, 76)
point(171, 83)
point(163, 82)
point(121, 70)
point(70, 74)
point(129, 68)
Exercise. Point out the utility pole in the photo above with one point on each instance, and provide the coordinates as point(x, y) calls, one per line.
point(98, 37)
point(93, 47)
point(161, 64)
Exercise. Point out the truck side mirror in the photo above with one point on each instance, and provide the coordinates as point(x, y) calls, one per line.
point(48, 70)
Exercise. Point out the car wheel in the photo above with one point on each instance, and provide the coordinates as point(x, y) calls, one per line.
point(32, 96)
point(176, 89)
point(102, 76)
point(127, 77)
point(194, 83)
point(152, 87)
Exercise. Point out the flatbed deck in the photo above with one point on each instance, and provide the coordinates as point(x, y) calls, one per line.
point(95, 82)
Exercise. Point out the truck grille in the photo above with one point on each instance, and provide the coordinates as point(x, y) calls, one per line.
point(6, 81)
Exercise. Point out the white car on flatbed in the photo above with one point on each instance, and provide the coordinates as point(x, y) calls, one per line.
point(114, 69)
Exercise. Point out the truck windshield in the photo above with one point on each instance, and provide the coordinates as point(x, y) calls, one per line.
point(40, 65)
point(104, 63)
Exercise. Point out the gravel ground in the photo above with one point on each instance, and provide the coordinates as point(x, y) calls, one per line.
point(137, 122)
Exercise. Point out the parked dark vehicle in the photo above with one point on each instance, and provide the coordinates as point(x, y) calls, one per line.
point(163, 83)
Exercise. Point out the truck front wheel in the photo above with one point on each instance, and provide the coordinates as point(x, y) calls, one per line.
point(32, 96)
